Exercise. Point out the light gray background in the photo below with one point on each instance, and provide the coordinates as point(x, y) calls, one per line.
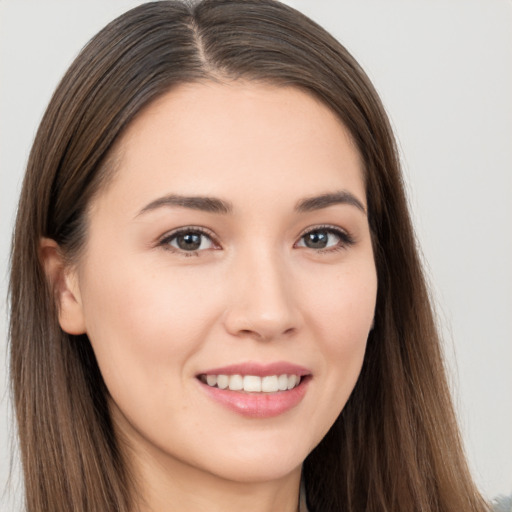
point(444, 71)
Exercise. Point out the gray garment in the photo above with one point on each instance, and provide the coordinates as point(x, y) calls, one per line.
point(502, 504)
point(302, 498)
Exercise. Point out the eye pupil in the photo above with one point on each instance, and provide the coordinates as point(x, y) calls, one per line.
point(316, 239)
point(189, 241)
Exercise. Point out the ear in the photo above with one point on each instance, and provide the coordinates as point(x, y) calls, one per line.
point(64, 283)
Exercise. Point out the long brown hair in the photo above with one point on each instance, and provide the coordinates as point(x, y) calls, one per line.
point(395, 447)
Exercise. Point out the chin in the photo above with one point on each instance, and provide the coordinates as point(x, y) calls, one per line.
point(260, 462)
point(258, 471)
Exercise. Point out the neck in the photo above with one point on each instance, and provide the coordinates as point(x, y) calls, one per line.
point(169, 485)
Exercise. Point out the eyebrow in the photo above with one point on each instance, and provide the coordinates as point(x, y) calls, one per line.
point(204, 204)
point(215, 205)
point(325, 200)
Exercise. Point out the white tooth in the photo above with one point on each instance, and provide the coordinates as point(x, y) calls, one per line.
point(282, 382)
point(211, 380)
point(222, 381)
point(269, 384)
point(292, 380)
point(252, 383)
point(236, 382)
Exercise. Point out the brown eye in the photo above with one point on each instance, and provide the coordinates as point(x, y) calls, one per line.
point(317, 239)
point(188, 241)
point(325, 239)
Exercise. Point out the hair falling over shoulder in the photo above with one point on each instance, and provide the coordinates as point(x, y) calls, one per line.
point(396, 446)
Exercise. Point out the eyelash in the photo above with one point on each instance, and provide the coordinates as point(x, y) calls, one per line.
point(345, 239)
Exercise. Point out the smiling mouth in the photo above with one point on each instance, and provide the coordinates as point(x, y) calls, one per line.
point(252, 383)
point(254, 390)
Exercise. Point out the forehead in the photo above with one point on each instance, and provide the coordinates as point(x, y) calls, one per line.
point(223, 138)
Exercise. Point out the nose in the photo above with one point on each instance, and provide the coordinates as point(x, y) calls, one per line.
point(263, 305)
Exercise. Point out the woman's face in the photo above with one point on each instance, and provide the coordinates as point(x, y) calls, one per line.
point(231, 248)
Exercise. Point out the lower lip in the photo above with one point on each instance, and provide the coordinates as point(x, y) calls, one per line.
point(258, 405)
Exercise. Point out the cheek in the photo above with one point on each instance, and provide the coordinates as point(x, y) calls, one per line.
point(343, 305)
point(144, 325)
point(341, 312)
point(339, 306)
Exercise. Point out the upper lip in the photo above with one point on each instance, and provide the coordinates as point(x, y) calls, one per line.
point(259, 369)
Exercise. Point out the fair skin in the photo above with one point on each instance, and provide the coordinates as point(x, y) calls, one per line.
point(260, 276)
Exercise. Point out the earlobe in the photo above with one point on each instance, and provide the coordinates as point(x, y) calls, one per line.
point(64, 283)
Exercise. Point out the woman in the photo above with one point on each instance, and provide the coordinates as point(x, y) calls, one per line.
point(215, 290)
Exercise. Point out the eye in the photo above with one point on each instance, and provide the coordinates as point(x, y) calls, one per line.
point(325, 238)
point(189, 240)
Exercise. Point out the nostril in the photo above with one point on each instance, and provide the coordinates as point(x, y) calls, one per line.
point(259, 320)
point(266, 334)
